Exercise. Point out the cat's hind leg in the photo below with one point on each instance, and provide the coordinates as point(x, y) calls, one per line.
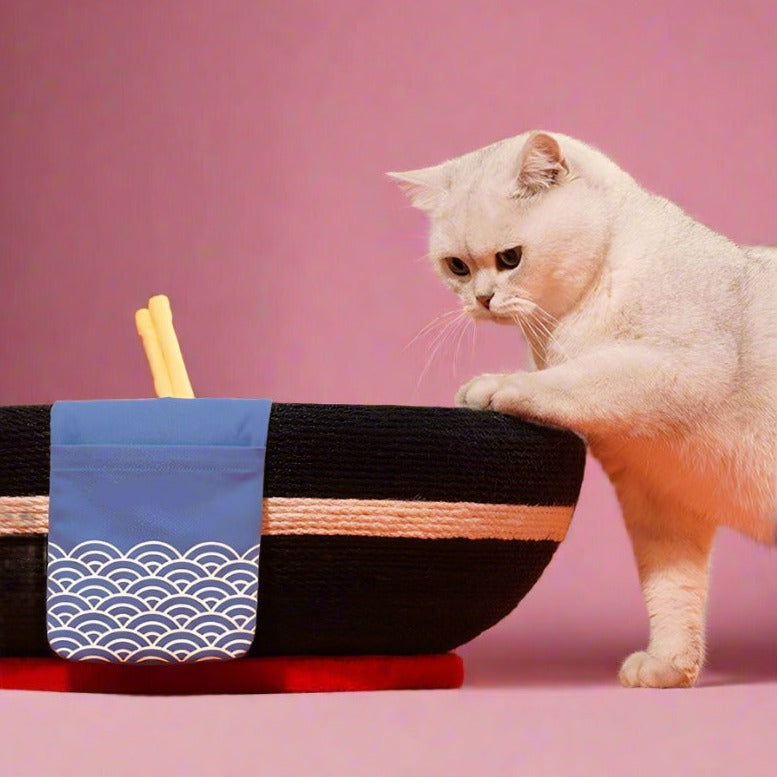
point(673, 554)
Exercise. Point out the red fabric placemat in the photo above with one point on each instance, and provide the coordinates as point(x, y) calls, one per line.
point(246, 675)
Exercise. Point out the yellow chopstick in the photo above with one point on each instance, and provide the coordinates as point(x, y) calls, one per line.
point(163, 352)
point(162, 316)
point(156, 360)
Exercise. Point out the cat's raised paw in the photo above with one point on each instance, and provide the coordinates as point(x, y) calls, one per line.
point(642, 670)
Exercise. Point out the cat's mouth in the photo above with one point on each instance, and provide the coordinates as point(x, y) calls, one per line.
point(479, 314)
point(503, 318)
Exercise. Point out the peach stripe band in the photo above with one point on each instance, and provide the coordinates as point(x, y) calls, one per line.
point(358, 517)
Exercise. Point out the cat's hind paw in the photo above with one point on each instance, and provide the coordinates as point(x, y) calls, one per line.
point(643, 670)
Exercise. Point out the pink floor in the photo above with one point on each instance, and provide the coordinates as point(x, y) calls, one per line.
point(527, 715)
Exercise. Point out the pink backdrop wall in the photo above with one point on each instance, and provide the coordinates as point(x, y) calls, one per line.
point(232, 154)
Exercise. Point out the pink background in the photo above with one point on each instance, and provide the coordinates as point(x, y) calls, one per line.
point(231, 155)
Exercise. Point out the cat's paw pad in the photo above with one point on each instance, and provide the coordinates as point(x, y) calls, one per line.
point(643, 670)
point(478, 392)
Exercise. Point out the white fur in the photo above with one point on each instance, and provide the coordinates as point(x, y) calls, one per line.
point(655, 339)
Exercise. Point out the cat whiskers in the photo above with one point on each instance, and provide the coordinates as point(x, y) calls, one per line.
point(547, 323)
point(450, 326)
point(536, 321)
point(462, 331)
point(515, 317)
point(537, 310)
point(436, 322)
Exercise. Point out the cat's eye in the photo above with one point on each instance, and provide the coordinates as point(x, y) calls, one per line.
point(509, 259)
point(457, 266)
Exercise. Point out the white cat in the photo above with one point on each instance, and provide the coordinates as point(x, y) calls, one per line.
point(653, 337)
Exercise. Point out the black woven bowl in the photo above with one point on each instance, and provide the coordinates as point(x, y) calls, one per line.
point(386, 530)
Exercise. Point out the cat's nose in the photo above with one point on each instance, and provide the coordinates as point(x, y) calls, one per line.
point(485, 301)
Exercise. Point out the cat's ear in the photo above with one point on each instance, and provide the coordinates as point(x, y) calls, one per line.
point(425, 187)
point(541, 165)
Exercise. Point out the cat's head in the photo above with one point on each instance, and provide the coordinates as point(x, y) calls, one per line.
point(518, 227)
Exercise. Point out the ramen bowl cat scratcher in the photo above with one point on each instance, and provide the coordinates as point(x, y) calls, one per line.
point(389, 537)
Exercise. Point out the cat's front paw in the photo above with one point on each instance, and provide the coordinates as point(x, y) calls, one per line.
point(643, 670)
point(478, 392)
point(516, 395)
point(510, 393)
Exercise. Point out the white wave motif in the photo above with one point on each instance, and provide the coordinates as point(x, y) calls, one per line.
point(241, 573)
point(154, 554)
point(95, 552)
point(205, 550)
point(95, 624)
point(251, 555)
point(124, 572)
point(93, 588)
point(54, 587)
point(182, 572)
point(212, 591)
point(123, 607)
point(64, 605)
point(153, 589)
point(151, 624)
point(152, 604)
point(63, 642)
point(66, 571)
point(204, 624)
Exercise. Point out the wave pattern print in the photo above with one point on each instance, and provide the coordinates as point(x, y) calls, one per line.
point(152, 604)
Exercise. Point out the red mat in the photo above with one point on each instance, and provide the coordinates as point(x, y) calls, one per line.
point(246, 675)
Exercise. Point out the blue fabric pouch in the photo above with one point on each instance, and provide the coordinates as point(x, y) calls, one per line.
point(154, 527)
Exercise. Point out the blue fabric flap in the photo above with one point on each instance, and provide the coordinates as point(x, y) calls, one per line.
point(154, 528)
